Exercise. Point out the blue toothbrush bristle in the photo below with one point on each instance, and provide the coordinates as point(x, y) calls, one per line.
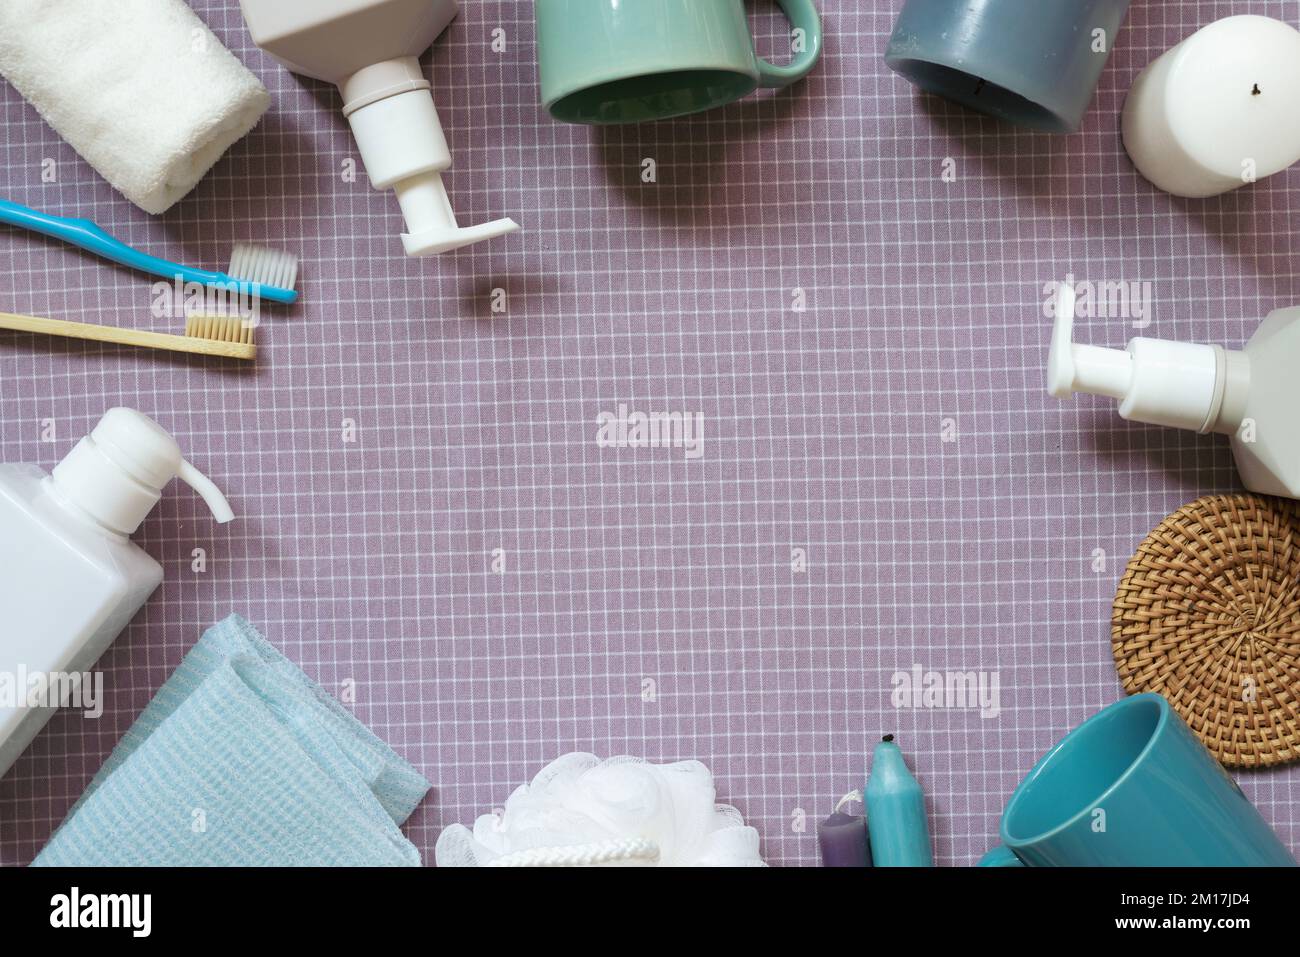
point(266, 267)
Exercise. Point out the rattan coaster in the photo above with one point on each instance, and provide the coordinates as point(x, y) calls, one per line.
point(1208, 615)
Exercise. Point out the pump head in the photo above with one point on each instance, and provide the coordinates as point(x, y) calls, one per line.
point(404, 149)
point(117, 473)
point(1176, 384)
point(370, 49)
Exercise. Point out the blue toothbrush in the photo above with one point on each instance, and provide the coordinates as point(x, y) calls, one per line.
point(254, 270)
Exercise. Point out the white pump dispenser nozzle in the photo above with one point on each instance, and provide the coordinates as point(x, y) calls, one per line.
point(1175, 384)
point(403, 148)
point(370, 49)
point(117, 473)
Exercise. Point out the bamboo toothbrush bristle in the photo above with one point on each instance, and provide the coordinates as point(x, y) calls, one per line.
point(219, 329)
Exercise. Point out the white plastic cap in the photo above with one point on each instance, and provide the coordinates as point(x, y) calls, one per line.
point(1174, 384)
point(403, 148)
point(117, 473)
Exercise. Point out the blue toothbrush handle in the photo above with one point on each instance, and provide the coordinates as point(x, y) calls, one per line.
point(86, 235)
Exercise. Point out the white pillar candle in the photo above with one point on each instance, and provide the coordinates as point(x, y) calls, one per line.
point(1218, 111)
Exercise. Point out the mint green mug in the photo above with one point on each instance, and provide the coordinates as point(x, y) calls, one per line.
point(628, 61)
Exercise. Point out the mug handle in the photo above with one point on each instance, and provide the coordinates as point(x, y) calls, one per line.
point(1000, 856)
point(802, 16)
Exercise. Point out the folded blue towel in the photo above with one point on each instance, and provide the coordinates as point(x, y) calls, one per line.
point(241, 759)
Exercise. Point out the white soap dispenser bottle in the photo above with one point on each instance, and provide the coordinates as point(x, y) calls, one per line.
point(1252, 395)
point(70, 576)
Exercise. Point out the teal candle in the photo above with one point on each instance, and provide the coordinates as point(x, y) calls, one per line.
point(900, 833)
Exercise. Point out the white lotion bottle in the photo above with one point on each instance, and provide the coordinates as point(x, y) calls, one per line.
point(72, 578)
point(370, 50)
point(1251, 395)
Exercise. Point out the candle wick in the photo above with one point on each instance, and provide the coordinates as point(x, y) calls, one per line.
point(1256, 91)
point(848, 799)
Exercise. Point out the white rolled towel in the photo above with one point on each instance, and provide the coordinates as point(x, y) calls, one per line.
point(142, 89)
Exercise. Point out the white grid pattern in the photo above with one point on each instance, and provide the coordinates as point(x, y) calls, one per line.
point(371, 561)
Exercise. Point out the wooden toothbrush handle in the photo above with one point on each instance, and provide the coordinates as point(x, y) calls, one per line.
point(126, 337)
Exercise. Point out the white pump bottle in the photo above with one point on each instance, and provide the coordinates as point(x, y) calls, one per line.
point(1252, 395)
point(72, 578)
point(370, 50)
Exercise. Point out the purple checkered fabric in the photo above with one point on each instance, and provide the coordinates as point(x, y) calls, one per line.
point(430, 527)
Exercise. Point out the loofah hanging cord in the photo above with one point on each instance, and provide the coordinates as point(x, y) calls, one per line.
point(633, 850)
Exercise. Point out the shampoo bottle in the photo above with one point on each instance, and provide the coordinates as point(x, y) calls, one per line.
point(370, 50)
point(70, 577)
point(1251, 395)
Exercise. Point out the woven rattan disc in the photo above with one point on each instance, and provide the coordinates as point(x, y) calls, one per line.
point(1208, 615)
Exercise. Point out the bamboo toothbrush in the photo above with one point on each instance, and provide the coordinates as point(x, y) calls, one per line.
point(231, 338)
point(254, 271)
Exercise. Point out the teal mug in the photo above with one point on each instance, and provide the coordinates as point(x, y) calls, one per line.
point(628, 61)
point(1133, 787)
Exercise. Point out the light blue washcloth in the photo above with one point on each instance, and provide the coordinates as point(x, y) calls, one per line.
point(241, 759)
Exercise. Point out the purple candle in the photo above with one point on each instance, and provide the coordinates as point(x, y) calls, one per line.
point(843, 840)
